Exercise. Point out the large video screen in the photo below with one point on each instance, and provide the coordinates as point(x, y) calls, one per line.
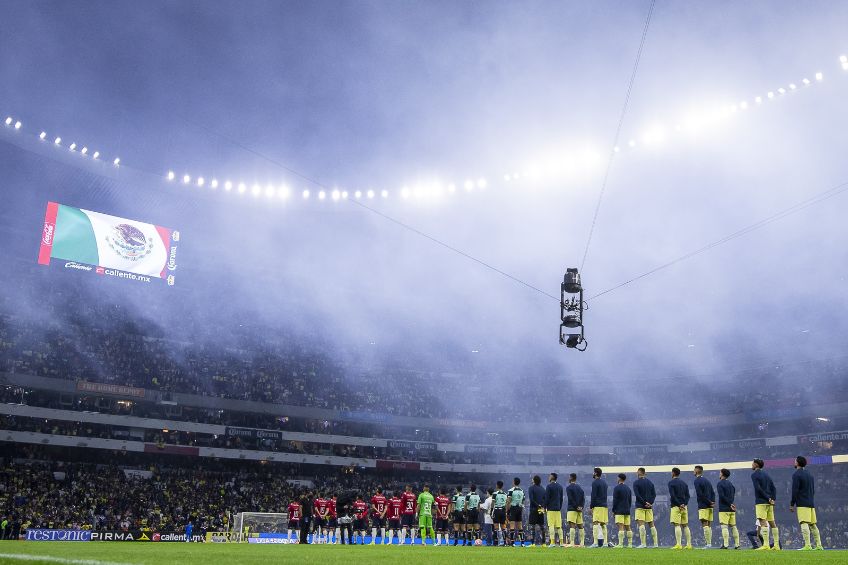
point(108, 245)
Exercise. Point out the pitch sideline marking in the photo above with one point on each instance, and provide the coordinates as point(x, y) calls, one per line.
point(33, 557)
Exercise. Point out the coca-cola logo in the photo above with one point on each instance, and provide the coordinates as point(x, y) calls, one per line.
point(47, 233)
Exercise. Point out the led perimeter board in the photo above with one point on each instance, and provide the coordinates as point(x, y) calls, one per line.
point(108, 245)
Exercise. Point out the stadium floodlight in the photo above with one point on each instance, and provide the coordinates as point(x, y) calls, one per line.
point(469, 185)
point(819, 77)
point(482, 183)
point(507, 178)
point(616, 149)
point(781, 90)
point(336, 194)
point(632, 143)
point(73, 147)
point(451, 188)
point(283, 192)
point(305, 194)
point(9, 120)
point(322, 195)
point(770, 95)
point(96, 155)
point(201, 181)
point(214, 183)
point(843, 59)
point(792, 86)
point(228, 185)
point(384, 193)
point(18, 125)
point(370, 194)
point(117, 161)
point(58, 141)
point(806, 82)
point(42, 135)
point(357, 194)
point(270, 191)
point(186, 179)
point(404, 192)
point(344, 194)
point(758, 99)
point(242, 188)
point(84, 150)
point(743, 105)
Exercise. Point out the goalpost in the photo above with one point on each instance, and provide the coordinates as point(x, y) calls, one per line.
point(247, 524)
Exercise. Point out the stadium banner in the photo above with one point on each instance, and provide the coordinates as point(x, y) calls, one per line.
point(366, 416)
point(218, 537)
point(174, 536)
point(824, 436)
point(400, 465)
point(493, 449)
point(108, 245)
point(115, 390)
point(417, 445)
point(738, 444)
point(58, 535)
point(639, 449)
point(254, 433)
point(123, 536)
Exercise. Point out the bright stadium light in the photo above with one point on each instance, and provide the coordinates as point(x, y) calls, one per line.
point(257, 190)
point(743, 105)
point(616, 149)
point(770, 95)
point(384, 193)
point(57, 141)
point(806, 82)
point(336, 194)
point(469, 185)
point(84, 150)
point(792, 86)
point(186, 179)
point(344, 195)
point(322, 195)
point(819, 77)
point(73, 147)
point(632, 143)
point(214, 183)
point(228, 185)
point(482, 183)
point(96, 155)
point(404, 192)
point(758, 99)
point(42, 135)
point(843, 59)
point(781, 90)
point(452, 188)
point(201, 181)
point(507, 178)
point(9, 121)
point(357, 194)
point(305, 194)
point(270, 191)
point(242, 187)
point(117, 161)
point(370, 194)
point(17, 125)
point(283, 192)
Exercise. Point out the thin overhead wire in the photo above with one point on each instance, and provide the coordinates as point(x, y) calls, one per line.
point(797, 207)
point(618, 131)
point(383, 215)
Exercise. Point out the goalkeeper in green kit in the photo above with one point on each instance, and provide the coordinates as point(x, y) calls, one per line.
point(425, 515)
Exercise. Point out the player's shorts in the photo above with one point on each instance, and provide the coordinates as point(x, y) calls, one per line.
point(499, 515)
point(360, 524)
point(472, 517)
point(705, 514)
point(806, 514)
point(765, 512)
point(378, 522)
point(406, 520)
point(679, 516)
point(458, 517)
point(319, 523)
point(574, 517)
point(294, 524)
point(516, 513)
point(554, 519)
point(644, 514)
point(622, 519)
point(394, 523)
point(600, 514)
point(425, 522)
point(727, 518)
point(536, 517)
point(333, 523)
point(442, 525)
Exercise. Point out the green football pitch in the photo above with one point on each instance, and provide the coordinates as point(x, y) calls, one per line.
point(94, 553)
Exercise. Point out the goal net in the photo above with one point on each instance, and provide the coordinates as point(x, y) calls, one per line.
point(252, 524)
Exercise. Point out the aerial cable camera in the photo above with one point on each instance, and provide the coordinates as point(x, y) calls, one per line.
point(571, 308)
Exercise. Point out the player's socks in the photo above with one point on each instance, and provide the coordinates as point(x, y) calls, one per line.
point(550, 535)
point(655, 536)
point(572, 535)
point(620, 538)
point(776, 537)
point(725, 535)
point(581, 533)
point(816, 535)
point(630, 538)
point(708, 536)
point(687, 533)
point(735, 532)
point(643, 534)
point(678, 535)
point(805, 533)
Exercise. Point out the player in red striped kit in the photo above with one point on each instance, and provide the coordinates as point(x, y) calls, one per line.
point(395, 507)
point(443, 504)
point(320, 511)
point(360, 519)
point(379, 507)
point(294, 509)
point(408, 500)
point(332, 521)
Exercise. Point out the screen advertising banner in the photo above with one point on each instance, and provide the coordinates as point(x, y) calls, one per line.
point(108, 245)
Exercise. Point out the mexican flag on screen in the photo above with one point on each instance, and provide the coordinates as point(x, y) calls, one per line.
point(92, 238)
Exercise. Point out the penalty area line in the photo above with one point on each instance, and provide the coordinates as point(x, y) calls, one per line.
point(51, 559)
